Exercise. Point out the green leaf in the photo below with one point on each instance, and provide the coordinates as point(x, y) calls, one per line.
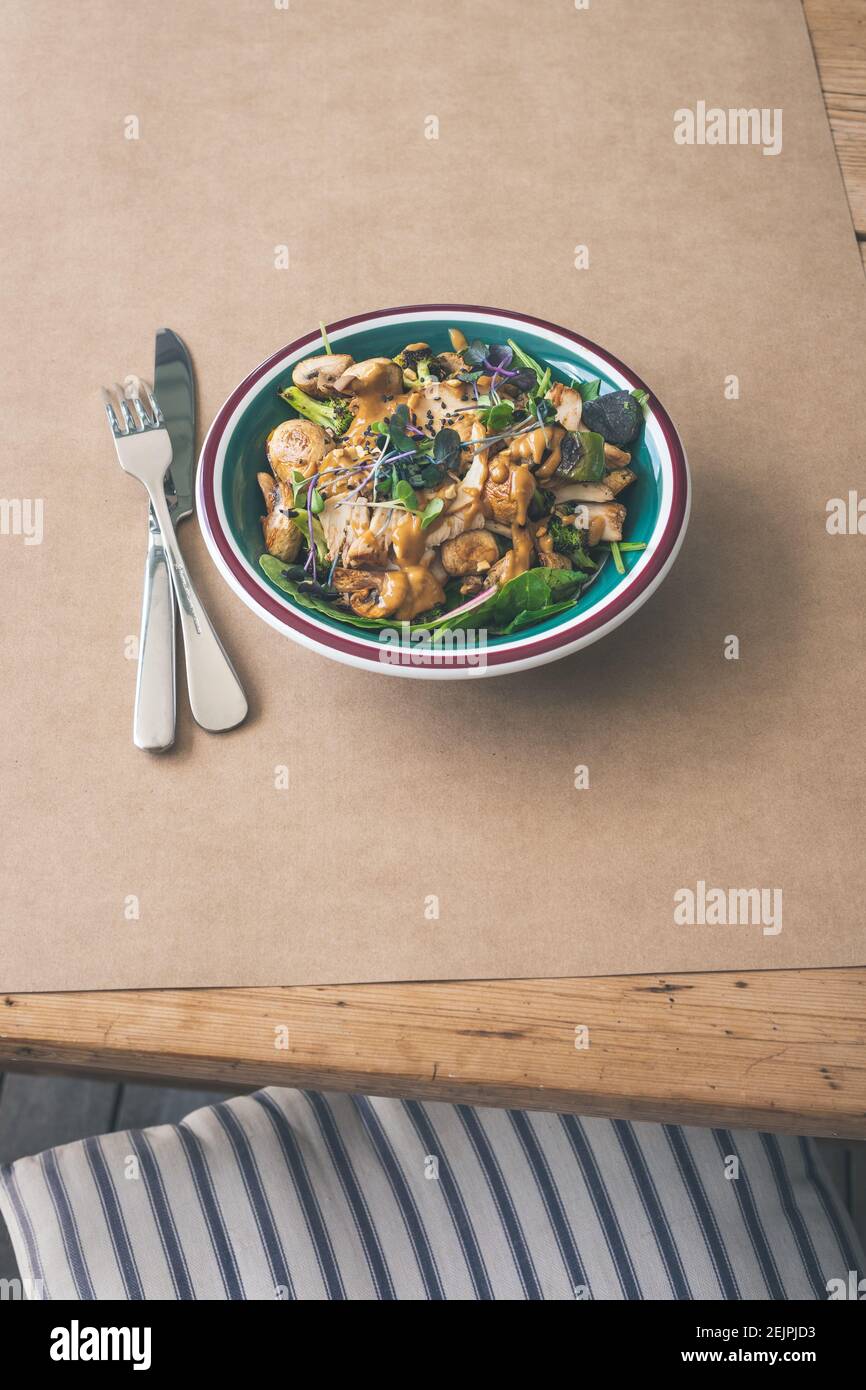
point(302, 521)
point(589, 389)
point(431, 511)
point(446, 449)
point(406, 495)
point(534, 593)
point(317, 501)
point(528, 616)
point(276, 571)
point(642, 397)
point(525, 359)
point(498, 417)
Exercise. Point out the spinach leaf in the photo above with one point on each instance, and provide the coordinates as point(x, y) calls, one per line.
point(288, 578)
point(589, 389)
point(528, 598)
point(280, 574)
point(527, 616)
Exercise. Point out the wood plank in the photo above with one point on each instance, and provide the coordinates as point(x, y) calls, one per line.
point(838, 30)
point(782, 1050)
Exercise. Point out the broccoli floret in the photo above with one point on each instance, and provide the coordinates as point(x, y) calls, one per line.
point(543, 501)
point(569, 540)
point(334, 415)
point(418, 363)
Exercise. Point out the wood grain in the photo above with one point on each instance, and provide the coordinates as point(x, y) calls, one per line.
point(781, 1050)
point(838, 30)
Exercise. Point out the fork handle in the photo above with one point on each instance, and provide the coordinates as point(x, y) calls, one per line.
point(154, 720)
point(216, 696)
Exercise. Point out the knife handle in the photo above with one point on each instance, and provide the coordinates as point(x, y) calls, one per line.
point(154, 720)
point(216, 696)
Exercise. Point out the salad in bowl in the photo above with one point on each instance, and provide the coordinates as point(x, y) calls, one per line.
point(408, 488)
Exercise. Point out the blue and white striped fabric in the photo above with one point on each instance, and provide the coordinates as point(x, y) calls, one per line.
point(290, 1195)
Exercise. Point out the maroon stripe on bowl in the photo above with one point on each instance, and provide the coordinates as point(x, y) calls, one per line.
point(622, 598)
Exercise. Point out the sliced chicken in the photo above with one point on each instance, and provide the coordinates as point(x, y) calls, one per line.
point(569, 405)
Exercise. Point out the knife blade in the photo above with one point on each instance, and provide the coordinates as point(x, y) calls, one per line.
point(174, 388)
point(155, 716)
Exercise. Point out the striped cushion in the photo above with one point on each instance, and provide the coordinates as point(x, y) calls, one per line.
point(291, 1195)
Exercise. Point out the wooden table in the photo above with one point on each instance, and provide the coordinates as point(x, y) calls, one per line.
point(780, 1050)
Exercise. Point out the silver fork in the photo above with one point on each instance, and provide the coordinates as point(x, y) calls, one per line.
point(143, 447)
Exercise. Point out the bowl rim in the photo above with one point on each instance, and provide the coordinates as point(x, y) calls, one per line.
point(524, 650)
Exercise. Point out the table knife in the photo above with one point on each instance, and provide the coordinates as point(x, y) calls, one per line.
point(174, 390)
point(155, 715)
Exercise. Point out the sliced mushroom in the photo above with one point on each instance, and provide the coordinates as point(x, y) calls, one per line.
point(619, 478)
point(569, 405)
point(296, 446)
point(614, 457)
point(604, 520)
point(377, 374)
point(498, 574)
point(452, 362)
point(282, 537)
point(317, 375)
point(473, 552)
point(586, 492)
point(552, 560)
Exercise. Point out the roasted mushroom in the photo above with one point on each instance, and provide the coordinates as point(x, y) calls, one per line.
point(619, 478)
point(603, 520)
point(282, 537)
point(614, 457)
point(317, 375)
point(374, 374)
point(473, 552)
point(296, 446)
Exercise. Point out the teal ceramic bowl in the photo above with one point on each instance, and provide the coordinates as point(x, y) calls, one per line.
point(230, 504)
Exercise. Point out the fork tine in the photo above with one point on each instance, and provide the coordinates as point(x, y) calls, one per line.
point(146, 422)
point(125, 410)
point(155, 411)
point(108, 402)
